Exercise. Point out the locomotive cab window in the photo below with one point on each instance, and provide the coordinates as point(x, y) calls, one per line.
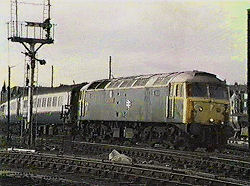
point(179, 90)
point(197, 90)
point(171, 90)
point(207, 91)
point(176, 90)
point(218, 92)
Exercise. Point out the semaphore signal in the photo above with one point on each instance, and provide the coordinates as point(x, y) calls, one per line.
point(29, 34)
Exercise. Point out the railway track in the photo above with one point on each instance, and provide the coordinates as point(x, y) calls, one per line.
point(15, 176)
point(137, 173)
point(238, 151)
point(215, 163)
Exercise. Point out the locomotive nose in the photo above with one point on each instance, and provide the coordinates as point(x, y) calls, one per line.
point(205, 112)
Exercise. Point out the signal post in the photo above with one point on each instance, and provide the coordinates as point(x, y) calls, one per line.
point(29, 34)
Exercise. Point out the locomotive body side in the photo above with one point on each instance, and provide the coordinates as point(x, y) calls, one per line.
point(123, 105)
point(150, 104)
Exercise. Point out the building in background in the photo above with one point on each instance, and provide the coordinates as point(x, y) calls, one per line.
point(238, 109)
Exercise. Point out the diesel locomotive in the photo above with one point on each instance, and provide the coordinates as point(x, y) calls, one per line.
point(181, 109)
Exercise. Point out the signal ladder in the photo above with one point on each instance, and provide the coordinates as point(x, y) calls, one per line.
point(13, 18)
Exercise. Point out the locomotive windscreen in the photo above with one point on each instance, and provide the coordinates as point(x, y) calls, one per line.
point(218, 92)
point(197, 90)
point(206, 90)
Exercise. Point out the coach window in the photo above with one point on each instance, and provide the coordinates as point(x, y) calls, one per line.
point(34, 103)
point(13, 106)
point(25, 104)
point(54, 102)
point(39, 102)
point(44, 102)
point(49, 102)
point(60, 101)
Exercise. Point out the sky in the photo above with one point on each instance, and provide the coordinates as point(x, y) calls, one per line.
point(142, 36)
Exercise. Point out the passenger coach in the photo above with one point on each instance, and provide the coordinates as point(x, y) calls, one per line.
point(52, 108)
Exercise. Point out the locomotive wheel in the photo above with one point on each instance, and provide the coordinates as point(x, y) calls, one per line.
point(166, 136)
point(182, 141)
point(210, 149)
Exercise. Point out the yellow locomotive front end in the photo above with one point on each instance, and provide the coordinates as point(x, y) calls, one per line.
point(207, 113)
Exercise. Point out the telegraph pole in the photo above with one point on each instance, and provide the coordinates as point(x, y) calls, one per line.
point(31, 33)
point(8, 98)
point(8, 119)
point(52, 76)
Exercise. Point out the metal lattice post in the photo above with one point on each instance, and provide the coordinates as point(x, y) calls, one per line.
point(31, 88)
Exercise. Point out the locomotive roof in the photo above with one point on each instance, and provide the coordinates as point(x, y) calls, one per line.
point(150, 80)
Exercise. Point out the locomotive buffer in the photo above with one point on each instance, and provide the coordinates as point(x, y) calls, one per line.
point(29, 34)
